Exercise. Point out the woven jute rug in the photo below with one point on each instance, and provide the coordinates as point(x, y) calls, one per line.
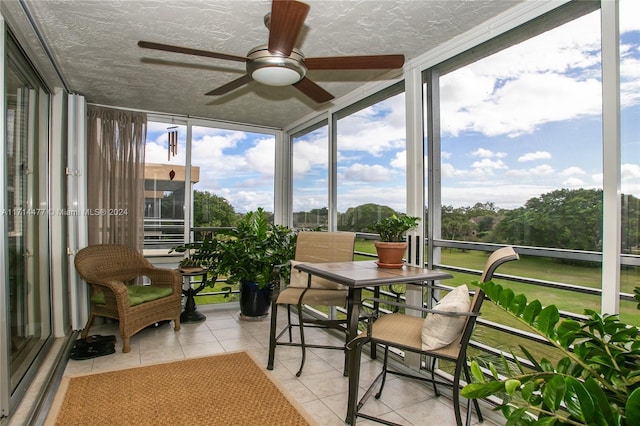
point(228, 389)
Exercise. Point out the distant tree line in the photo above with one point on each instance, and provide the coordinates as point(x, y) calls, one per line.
point(564, 218)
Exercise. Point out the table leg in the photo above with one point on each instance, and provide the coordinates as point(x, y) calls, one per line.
point(354, 379)
point(353, 315)
point(191, 313)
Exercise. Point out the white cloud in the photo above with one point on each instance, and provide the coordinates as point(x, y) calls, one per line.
point(366, 131)
point(261, 157)
point(538, 171)
point(399, 161)
point(365, 173)
point(630, 171)
point(489, 165)
point(573, 182)
point(552, 77)
point(309, 154)
point(486, 153)
point(573, 170)
point(542, 170)
point(502, 193)
point(532, 156)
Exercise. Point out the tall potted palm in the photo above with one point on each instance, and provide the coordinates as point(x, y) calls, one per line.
point(392, 245)
point(247, 255)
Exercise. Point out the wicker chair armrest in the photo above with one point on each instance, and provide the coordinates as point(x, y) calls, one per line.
point(422, 309)
point(115, 286)
point(164, 278)
point(115, 291)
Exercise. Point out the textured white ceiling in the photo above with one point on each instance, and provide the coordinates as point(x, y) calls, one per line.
point(94, 45)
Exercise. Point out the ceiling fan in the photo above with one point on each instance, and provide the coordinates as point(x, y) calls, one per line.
point(279, 63)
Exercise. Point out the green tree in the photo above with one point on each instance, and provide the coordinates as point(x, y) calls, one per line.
point(456, 224)
point(212, 210)
point(360, 218)
point(564, 218)
point(630, 223)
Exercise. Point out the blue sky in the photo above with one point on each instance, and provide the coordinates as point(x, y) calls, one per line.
point(511, 130)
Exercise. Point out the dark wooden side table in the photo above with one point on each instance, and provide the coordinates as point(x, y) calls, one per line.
point(191, 313)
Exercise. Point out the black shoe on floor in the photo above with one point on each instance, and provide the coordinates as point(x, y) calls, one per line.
point(82, 349)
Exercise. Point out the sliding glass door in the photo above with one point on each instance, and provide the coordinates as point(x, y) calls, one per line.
point(26, 310)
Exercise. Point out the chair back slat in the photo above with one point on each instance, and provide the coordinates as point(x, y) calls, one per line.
point(110, 261)
point(320, 247)
point(497, 258)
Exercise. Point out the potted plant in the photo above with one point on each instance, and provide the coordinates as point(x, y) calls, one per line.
point(247, 256)
point(392, 245)
point(595, 382)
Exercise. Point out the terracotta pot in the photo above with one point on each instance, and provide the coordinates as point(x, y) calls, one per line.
point(390, 254)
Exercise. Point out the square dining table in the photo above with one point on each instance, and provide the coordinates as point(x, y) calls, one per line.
point(357, 275)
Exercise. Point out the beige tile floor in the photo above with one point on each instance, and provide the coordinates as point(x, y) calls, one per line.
point(322, 389)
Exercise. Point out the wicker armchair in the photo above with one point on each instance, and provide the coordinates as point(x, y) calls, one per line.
point(111, 271)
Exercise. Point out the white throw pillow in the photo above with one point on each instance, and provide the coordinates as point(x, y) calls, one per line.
point(439, 331)
point(299, 279)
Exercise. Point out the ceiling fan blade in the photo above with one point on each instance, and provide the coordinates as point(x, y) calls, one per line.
point(188, 51)
point(313, 91)
point(232, 85)
point(355, 62)
point(286, 21)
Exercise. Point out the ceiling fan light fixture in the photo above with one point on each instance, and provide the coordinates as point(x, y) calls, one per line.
point(274, 69)
point(276, 76)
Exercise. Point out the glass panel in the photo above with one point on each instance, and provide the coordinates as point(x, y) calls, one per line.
point(27, 219)
point(236, 166)
point(630, 151)
point(371, 181)
point(235, 173)
point(310, 180)
point(164, 177)
point(521, 135)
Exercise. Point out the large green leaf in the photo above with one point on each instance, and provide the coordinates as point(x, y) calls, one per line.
point(511, 385)
point(531, 311)
point(553, 392)
point(545, 421)
point(506, 297)
point(518, 304)
point(481, 390)
point(578, 401)
point(604, 410)
point(632, 409)
point(547, 319)
point(476, 372)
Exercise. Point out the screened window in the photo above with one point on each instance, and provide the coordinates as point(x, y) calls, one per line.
point(371, 161)
point(310, 158)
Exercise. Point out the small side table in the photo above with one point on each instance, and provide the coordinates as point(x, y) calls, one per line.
point(191, 313)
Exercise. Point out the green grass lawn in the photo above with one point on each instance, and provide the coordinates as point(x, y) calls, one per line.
point(543, 269)
point(529, 267)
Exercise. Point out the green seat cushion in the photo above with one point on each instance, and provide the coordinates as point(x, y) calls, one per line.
point(137, 294)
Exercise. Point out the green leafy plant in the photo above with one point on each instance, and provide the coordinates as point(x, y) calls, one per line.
point(251, 250)
point(202, 254)
point(392, 228)
point(596, 382)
